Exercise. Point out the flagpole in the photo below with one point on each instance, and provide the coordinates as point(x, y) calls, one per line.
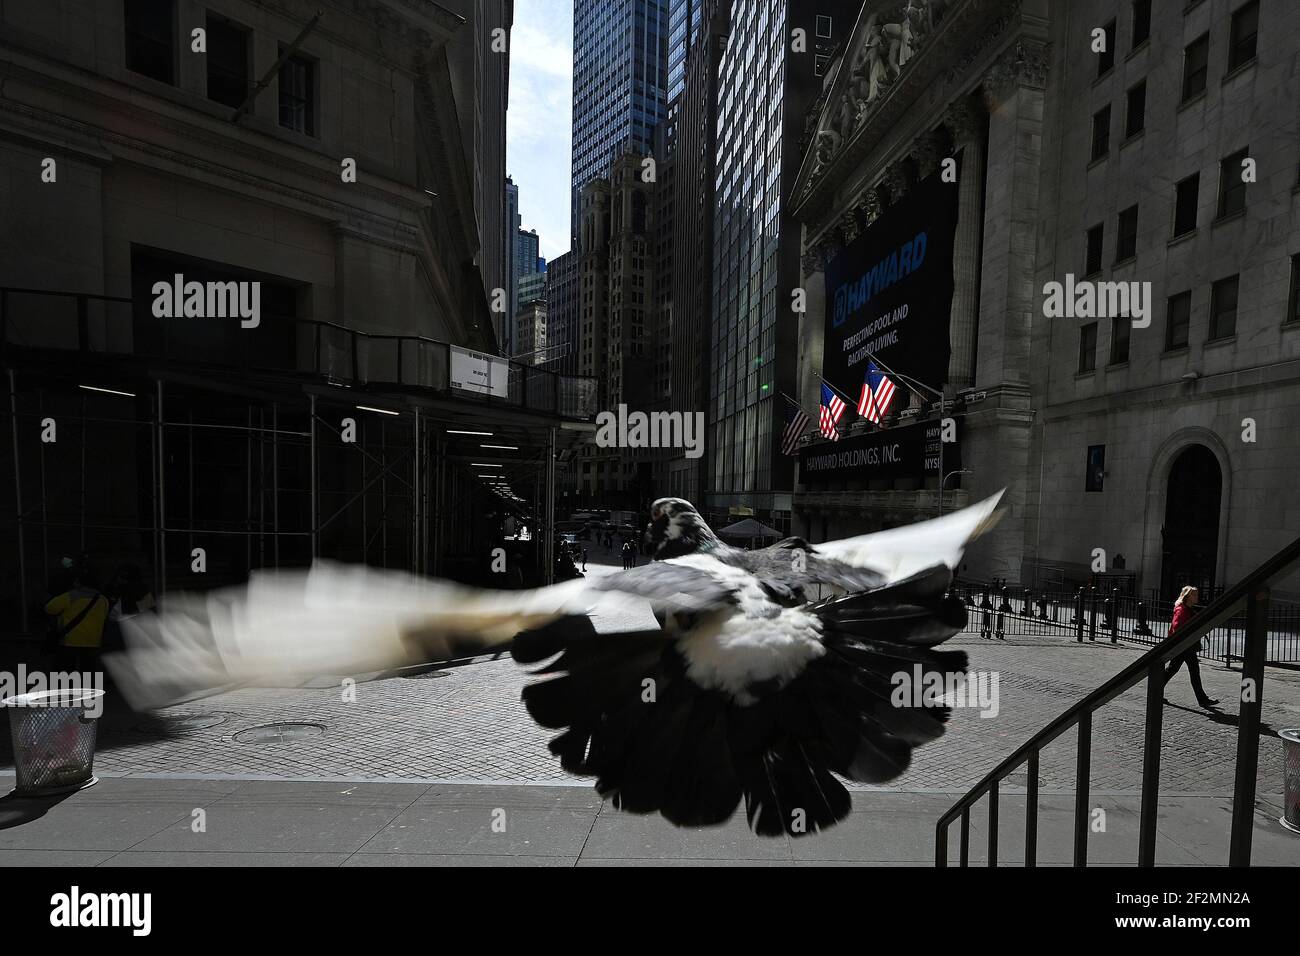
point(850, 402)
point(906, 378)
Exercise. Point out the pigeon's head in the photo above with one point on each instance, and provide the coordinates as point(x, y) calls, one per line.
point(676, 528)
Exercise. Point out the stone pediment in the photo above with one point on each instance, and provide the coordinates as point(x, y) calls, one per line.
point(896, 52)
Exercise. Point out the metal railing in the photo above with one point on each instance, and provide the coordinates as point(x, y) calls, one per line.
point(106, 325)
point(1250, 595)
point(1091, 614)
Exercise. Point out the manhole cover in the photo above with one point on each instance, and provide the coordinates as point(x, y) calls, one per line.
point(423, 675)
point(281, 733)
point(178, 723)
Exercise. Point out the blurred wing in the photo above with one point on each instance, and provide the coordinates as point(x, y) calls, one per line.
point(285, 627)
point(902, 552)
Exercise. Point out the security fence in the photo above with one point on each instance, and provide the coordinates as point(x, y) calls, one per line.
point(1090, 614)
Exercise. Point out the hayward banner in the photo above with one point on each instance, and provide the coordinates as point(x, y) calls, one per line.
point(911, 451)
point(889, 292)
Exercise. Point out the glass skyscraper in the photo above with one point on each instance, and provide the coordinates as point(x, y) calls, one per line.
point(620, 54)
point(684, 20)
point(765, 89)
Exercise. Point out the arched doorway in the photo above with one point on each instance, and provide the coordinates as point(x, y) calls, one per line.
point(1191, 528)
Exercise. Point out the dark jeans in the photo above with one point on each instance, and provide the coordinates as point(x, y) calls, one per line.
point(1193, 671)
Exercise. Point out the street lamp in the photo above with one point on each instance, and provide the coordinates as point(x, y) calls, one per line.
point(944, 483)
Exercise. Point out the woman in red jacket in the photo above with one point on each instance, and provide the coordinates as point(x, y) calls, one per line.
point(1184, 608)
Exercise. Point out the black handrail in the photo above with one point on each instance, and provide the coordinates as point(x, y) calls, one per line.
point(1252, 593)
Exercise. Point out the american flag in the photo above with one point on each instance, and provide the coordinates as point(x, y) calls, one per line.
point(877, 394)
point(832, 409)
point(796, 422)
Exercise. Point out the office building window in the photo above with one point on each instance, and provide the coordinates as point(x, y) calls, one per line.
point(1232, 188)
point(1135, 119)
point(1106, 58)
point(824, 27)
point(1223, 308)
point(1293, 306)
point(1127, 240)
point(150, 38)
point(1178, 320)
point(1121, 329)
point(1095, 475)
point(227, 62)
point(1088, 347)
point(298, 95)
point(1196, 65)
point(1101, 132)
point(1092, 264)
point(1186, 194)
point(1141, 22)
point(1243, 35)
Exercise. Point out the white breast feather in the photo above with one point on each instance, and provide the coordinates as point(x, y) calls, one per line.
point(756, 641)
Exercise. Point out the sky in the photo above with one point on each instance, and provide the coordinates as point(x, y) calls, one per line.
point(538, 121)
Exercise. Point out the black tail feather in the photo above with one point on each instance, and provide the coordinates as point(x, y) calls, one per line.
point(657, 742)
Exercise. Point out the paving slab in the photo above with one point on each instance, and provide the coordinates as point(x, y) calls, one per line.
point(491, 831)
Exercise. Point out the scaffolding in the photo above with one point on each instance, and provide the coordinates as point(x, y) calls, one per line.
point(151, 458)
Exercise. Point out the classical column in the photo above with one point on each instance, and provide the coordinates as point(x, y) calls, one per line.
point(966, 121)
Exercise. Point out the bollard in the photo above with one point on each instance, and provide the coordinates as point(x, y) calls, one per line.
point(1112, 618)
point(1092, 614)
point(1142, 627)
point(1078, 607)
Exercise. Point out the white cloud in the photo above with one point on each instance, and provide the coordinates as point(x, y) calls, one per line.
point(538, 124)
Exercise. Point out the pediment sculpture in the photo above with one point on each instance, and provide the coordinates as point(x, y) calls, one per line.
point(880, 54)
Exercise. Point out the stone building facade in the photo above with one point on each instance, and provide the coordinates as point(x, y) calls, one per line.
point(1158, 447)
point(152, 165)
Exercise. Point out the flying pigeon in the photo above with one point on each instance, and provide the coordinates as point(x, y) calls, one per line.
point(747, 690)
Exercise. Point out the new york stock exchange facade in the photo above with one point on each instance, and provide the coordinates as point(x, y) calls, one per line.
point(965, 155)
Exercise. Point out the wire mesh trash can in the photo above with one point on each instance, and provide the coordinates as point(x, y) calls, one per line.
point(53, 734)
point(1291, 779)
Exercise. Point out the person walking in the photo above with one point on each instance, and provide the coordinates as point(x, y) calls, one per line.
point(584, 560)
point(1184, 609)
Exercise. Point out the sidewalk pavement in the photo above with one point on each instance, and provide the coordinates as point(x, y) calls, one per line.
point(225, 821)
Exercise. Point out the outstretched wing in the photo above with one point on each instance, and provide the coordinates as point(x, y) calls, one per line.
point(787, 569)
point(286, 627)
point(901, 552)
